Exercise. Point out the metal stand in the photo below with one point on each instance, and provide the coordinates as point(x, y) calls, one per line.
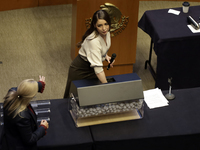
point(149, 61)
point(170, 96)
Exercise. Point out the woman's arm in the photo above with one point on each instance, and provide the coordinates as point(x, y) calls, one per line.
point(102, 77)
point(41, 84)
point(25, 129)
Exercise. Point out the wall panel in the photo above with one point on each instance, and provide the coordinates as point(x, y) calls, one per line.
point(124, 44)
point(17, 4)
point(53, 2)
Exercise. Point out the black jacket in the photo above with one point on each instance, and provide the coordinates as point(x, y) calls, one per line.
point(21, 132)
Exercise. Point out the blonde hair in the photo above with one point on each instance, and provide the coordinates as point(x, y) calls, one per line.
point(17, 101)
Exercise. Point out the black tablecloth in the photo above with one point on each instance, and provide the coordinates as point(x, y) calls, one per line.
point(176, 126)
point(176, 47)
point(62, 133)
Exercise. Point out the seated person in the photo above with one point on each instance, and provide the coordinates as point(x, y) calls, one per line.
point(21, 130)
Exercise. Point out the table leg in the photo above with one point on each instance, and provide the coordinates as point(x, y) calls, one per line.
point(149, 61)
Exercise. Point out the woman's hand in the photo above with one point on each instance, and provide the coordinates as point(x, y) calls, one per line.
point(108, 58)
point(42, 78)
point(45, 123)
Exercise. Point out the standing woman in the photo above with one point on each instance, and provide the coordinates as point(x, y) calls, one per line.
point(93, 51)
point(21, 131)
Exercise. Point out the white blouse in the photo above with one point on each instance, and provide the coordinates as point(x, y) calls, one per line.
point(94, 50)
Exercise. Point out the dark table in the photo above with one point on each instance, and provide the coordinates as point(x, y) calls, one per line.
point(176, 47)
point(176, 126)
point(62, 133)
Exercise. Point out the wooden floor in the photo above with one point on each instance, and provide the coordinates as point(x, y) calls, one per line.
point(36, 41)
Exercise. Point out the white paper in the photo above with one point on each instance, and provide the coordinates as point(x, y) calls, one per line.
point(193, 29)
point(175, 12)
point(154, 98)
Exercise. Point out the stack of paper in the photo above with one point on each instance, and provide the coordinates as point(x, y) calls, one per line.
point(154, 98)
point(193, 29)
point(175, 12)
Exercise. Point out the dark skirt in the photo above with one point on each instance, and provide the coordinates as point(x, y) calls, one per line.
point(79, 69)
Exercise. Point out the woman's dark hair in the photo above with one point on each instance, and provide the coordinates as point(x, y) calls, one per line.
point(99, 14)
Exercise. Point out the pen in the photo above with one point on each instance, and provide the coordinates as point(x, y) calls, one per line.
point(193, 22)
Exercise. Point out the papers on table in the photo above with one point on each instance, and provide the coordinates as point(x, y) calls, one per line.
point(154, 98)
point(193, 29)
point(175, 12)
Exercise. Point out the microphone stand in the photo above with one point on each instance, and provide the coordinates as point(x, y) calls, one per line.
point(170, 96)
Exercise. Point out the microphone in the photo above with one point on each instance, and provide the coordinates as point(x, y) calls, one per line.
point(193, 22)
point(111, 60)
